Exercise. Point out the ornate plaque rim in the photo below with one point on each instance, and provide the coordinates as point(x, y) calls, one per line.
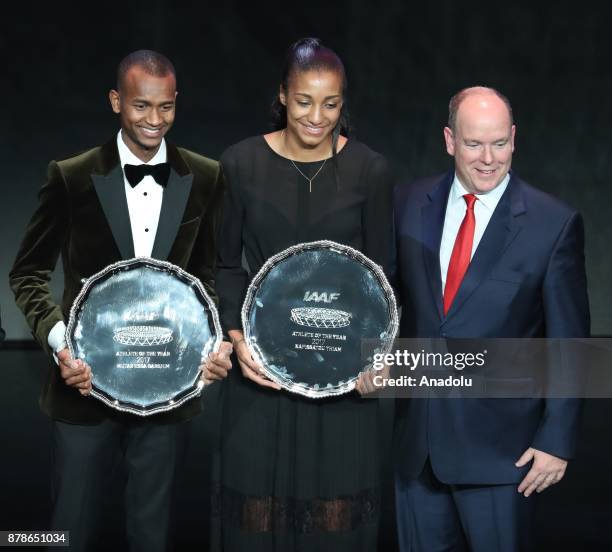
point(197, 385)
point(301, 389)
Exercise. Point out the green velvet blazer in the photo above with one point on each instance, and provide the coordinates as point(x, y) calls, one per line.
point(83, 214)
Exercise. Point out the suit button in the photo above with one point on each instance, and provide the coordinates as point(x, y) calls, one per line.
point(146, 229)
point(444, 334)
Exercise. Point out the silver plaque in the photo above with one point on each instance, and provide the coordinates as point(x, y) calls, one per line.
point(307, 311)
point(143, 325)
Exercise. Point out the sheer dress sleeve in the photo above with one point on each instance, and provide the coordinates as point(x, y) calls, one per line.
point(231, 278)
point(377, 216)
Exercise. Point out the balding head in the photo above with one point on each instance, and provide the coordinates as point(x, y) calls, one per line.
point(482, 92)
point(480, 137)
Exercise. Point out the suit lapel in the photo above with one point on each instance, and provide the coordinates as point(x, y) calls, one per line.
point(433, 221)
point(173, 206)
point(111, 193)
point(500, 232)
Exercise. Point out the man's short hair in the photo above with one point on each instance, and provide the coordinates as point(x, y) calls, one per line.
point(455, 102)
point(153, 63)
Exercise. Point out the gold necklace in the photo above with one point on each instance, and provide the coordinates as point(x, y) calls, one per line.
point(298, 169)
point(309, 179)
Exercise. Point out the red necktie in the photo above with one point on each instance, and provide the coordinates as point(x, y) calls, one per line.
point(462, 253)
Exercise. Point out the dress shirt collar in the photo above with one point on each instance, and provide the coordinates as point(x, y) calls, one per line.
point(489, 200)
point(127, 157)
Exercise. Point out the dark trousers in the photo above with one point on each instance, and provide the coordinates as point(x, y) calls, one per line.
point(84, 457)
point(434, 517)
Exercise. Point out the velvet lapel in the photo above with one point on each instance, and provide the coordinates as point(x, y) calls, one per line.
point(500, 232)
point(175, 199)
point(433, 221)
point(110, 188)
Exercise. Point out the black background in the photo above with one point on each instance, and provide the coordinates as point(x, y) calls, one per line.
point(404, 61)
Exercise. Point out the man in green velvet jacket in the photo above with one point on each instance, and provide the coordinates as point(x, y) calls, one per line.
point(94, 215)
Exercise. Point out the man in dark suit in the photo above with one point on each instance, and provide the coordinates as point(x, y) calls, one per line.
point(134, 196)
point(483, 254)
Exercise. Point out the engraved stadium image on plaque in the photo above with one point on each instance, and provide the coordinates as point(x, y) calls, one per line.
point(306, 312)
point(143, 325)
point(320, 318)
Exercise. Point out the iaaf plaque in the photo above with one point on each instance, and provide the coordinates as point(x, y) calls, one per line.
point(143, 325)
point(308, 309)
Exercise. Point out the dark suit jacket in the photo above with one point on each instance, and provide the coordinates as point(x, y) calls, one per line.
point(83, 215)
point(526, 279)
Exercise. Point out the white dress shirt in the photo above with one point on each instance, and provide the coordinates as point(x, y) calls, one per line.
point(144, 200)
point(144, 205)
point(455, 212)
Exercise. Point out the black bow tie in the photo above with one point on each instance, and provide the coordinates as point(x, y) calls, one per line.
point(135, 173)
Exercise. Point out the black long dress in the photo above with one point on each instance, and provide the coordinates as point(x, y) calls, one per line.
point(292, 473)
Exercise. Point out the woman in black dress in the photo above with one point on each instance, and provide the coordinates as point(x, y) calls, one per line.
point(295, 473)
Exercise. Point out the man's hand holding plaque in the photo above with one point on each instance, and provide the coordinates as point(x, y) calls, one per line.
point(217, 365)
point(75, 373)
